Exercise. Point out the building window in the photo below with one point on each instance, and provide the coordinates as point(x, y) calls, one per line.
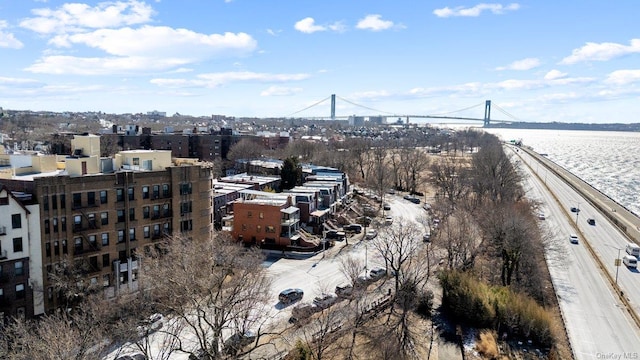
point(132, 234)
point(132, 214)
point(165, 190)
point(19, 291)
point(261, 215)
point(19, 268)
point(77, 200)
point(270, 229)
point(258, 228)
point(17, 244)
point(185, 207)
point(105, 260)
point(91, 219)
point(185, 189)
point(45, 202)
point(106, 280)
point(244, 227)
point(120, 215)
point(145, 212)
point(63, 223)
point(54, 201)
point(56, 248)
point(166, 212)
point(249, 214)
point(186, 225)
point(103, 196)
point(156, 211)
point(166, 228)
point(92, 241)
point(145, 192)
point(130, 192)
point(77, 247)
point(146, 232)
point(156, 191)
point(46, 226)
point(120, 236)
point(136, 161)
point(64, 247)
point(55, 225)
point(47, 249)
point(104, 218)
point(105, 239)
point(63, 201)
point(16, 221)
point(119, 195)
point(91, 198)
point(156, 230)
point(77, 222)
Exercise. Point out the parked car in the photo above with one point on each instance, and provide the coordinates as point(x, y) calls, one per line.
point(344, 290)
point(388, 220)
point(407, 197)
point(151, 325)
point(377, 273)
point(325, 300)
point(356, 228)
point(591, 221)
point(239, 340)
point(387, 207)
point(573, 238)
point(288, 296)
point(302, 311)
point(371, 234)
point(335, 235)
point(426, 237)
point(541, 216)
point(415, 200)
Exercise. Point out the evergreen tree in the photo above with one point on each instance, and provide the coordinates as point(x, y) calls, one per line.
point(291, 173)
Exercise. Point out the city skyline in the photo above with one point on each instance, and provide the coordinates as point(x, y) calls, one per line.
point(538, 61)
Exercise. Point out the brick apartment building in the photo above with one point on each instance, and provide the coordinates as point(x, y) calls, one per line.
point(101, 213)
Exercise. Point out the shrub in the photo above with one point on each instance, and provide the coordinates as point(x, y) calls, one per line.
point(425, 303)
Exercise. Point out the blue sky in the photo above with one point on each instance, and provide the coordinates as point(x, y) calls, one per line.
point(542, 60)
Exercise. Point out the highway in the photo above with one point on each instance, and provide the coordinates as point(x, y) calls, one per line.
point(597, 321)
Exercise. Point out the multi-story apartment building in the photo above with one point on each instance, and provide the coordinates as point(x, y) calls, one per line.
point(101, 213)
point(20, 257)
point(267, 220)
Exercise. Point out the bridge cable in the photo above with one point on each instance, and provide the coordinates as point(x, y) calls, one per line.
point(362, 106)
point(455, 111)
point(504, 112)
point(310, 106)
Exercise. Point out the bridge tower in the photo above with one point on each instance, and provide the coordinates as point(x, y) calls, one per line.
point(487, 112)
point(333, 106)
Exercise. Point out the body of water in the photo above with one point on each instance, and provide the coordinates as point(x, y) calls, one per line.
point(607, 160)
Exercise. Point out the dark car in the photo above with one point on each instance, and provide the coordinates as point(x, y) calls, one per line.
point(591, 221)
point(290, 295)
point(356, 228)
point(575, 209)
point(335, 234)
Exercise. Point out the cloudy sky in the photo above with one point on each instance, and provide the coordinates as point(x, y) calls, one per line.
point(537, 60)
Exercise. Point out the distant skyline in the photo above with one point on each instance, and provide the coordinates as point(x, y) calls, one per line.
point(543, 60)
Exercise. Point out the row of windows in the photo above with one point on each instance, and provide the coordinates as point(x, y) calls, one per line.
point(148, 212)
point(20, 294)
point(153, 191)
point(17, 245)
point(18, 268)
point(267, 229)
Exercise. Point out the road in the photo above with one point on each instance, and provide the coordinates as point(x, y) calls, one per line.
point(597, 321)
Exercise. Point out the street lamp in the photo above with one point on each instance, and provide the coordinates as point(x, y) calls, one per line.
point(577, 213)
point(617, 261)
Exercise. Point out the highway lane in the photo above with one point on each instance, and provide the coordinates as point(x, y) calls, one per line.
point(597, 322)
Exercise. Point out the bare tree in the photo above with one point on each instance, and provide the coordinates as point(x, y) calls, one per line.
point(460, 238)
point(495, 177)
point(215, 287)
point(448, 175)
point(246, 149)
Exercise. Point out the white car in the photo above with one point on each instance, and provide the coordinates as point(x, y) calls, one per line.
point(573, 238)
point(371, 234)
point(325, 300)
point(388, 220)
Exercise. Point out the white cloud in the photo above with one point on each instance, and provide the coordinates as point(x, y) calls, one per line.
point(7, 39)
point(60, 64)
point(623, 77)
point(217, 79)
point(149, 48)
point(273, 32)
point(601, 52)
point(157, 41)
point(374, 22)
point(524, 64)
point(554, 75)
point(17, 81)
point(475, 10)
point(280, 91)
point(74, 17)
point(308, 26)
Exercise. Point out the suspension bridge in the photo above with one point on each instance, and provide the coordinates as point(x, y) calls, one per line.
point(486, 120)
